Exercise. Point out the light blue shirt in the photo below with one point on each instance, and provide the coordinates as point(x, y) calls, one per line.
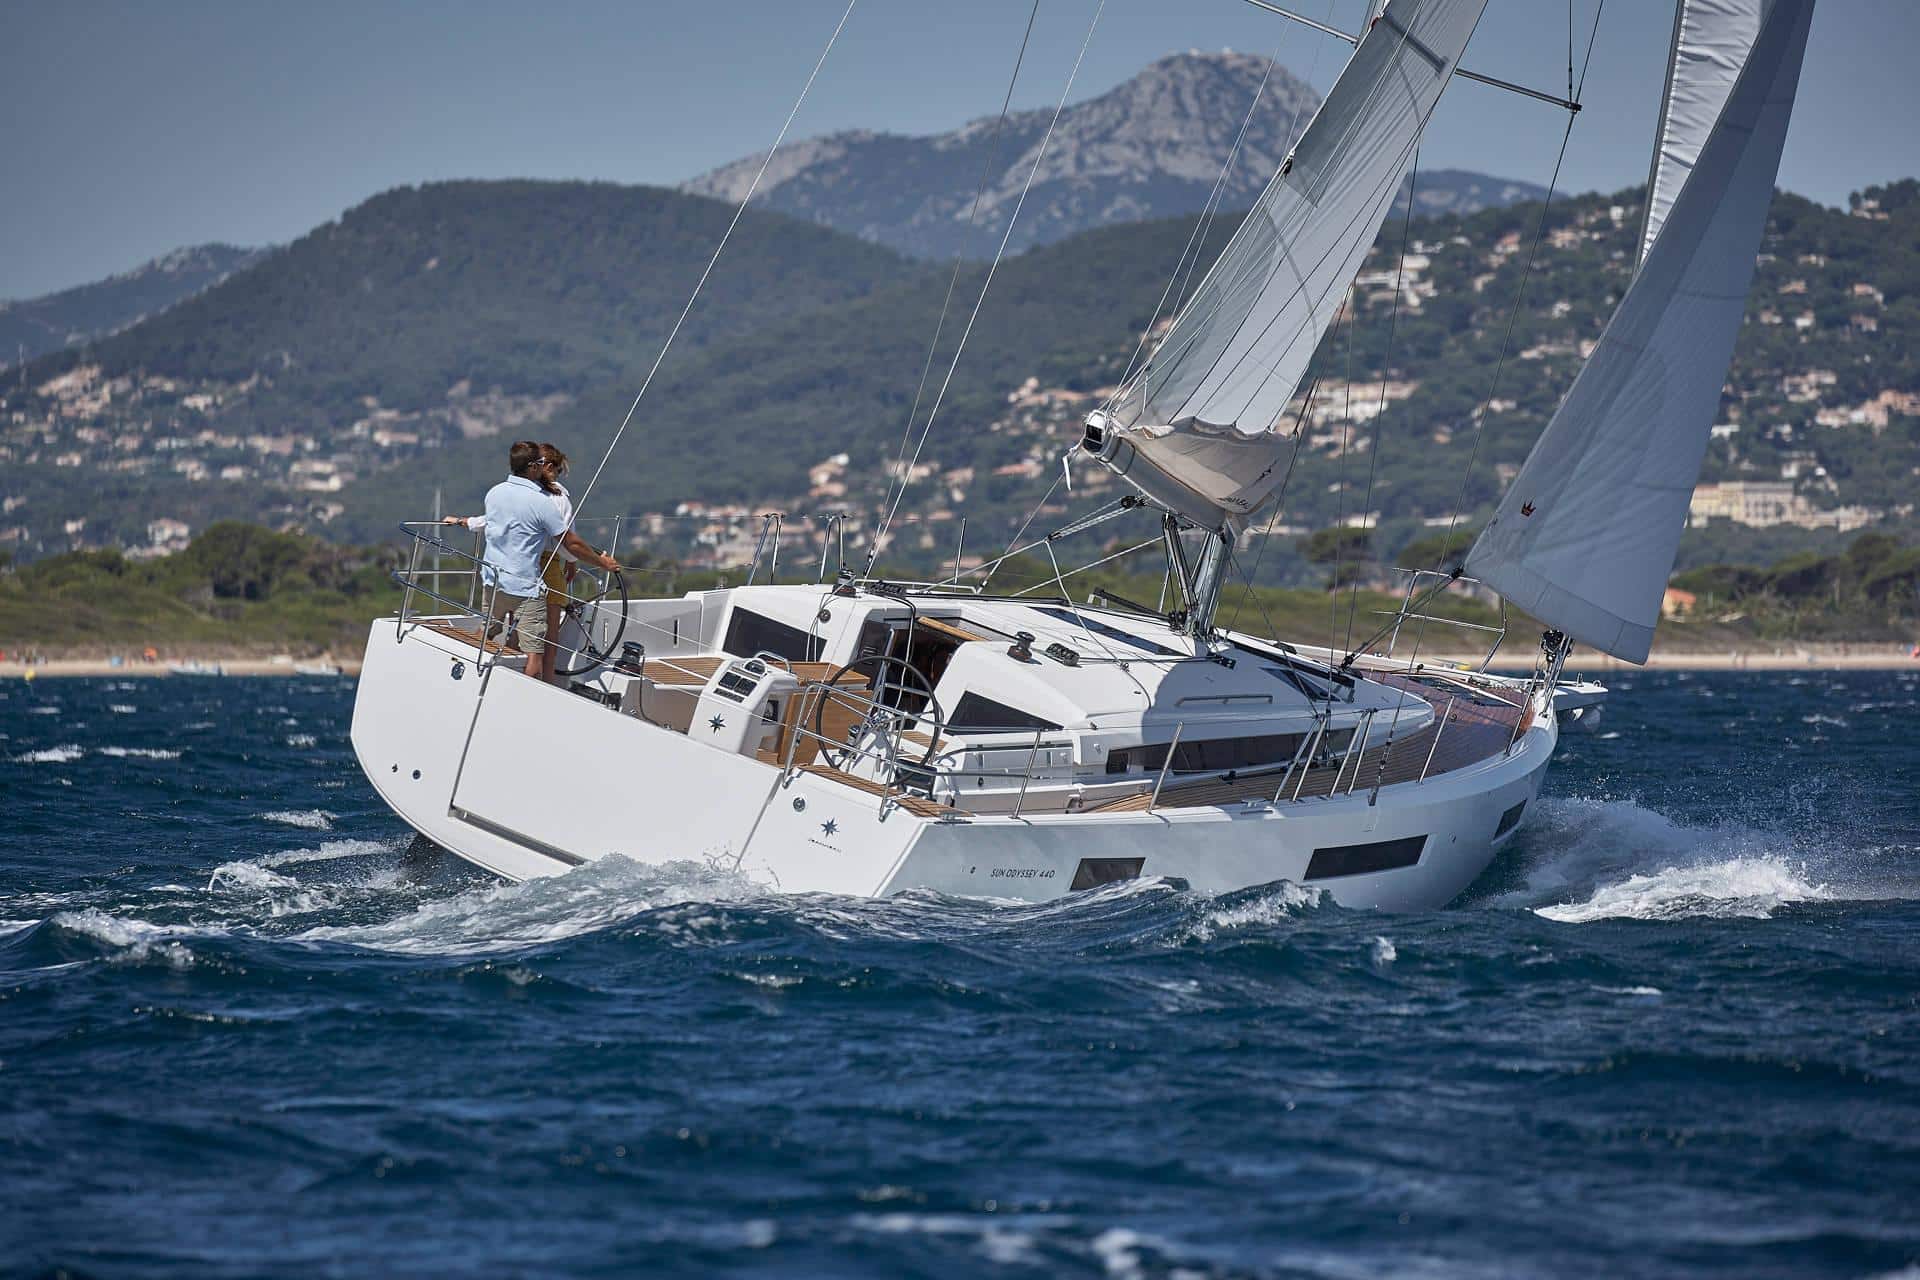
point(521, 521)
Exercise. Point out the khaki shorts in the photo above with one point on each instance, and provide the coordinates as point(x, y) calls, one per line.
point(523, 619)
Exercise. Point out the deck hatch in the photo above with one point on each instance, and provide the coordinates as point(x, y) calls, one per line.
point(1094, 872)
point(1359, 859)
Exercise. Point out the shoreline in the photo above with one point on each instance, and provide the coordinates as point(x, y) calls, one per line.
point(1820, 657)
point(102, 668)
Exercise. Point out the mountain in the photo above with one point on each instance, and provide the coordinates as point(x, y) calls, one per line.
point(1150, 148)
point(73, 316)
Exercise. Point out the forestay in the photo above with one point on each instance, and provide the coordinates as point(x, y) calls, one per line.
point(1711, 41)
point(1200, 427)
point(1585, 536)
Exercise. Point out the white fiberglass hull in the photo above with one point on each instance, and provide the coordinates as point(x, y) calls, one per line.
point(533, 780)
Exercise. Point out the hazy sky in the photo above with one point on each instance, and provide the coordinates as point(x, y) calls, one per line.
point(134, 128)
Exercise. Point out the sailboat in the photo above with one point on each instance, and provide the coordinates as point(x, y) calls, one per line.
point(863, 736)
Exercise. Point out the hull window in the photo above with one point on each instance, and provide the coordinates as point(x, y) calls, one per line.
point(749, 633)
point(1094, 872)
point(1510, 819)
point(1359, 859)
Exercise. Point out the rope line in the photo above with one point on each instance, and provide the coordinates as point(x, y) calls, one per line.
point(1519, 296)
point(959, 258)
point(1040, 156)
point(719, 249)
point(1386, 374)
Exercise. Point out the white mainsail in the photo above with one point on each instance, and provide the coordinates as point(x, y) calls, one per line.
point(1199, 428)
point(1711, 41)
point(1586, 534)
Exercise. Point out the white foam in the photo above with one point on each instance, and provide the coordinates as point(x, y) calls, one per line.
point(301, 739)
point(327, 852)
point(136, 939)
point(1738, 887)
point(1383, 952)
point(52, 755)
point(43, 711)
point(598, 895)
point(1265, 907)
point(143, 753)
point(122, 708)
point(248, 875)
point(310, 819)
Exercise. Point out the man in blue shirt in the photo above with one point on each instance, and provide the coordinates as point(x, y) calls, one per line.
point(523, 523)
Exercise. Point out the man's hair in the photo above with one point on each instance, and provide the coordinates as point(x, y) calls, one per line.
point(523, 457)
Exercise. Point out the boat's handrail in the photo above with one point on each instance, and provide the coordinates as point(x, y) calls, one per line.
point(425, 539)
point(881, 745)
point(1408, 613)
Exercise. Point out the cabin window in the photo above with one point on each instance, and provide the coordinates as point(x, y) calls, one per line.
point(976, 714)
point(749, 633)
point(1510, 819)
point(1213, 755)
point(1359, 859)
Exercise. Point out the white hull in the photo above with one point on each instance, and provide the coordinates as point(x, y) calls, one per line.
point(532, 780)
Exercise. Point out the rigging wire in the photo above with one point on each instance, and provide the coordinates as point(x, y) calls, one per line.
point(1203, 227)
point(1519, 297)
point(719, 249)
point(1201, 224)
point(1040, 156)
point(1386, 373)
point(959, 257)
point(1340, 508)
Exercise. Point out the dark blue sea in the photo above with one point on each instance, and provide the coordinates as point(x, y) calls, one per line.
point(248, 1028)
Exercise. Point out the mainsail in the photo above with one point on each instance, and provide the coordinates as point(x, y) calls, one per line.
point(1200, 428)
point(1586, 534)
point(1711, 41)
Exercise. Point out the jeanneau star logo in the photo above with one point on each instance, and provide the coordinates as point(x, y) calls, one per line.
point(1526, 508)
point(716, 724)
point(829, 827)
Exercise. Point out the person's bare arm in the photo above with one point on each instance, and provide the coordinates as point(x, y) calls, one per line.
point(577, 545)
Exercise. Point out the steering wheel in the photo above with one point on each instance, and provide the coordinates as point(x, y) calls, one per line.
point(887, 679)
point(592, 595)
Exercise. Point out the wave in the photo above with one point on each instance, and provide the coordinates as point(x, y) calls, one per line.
point(606, 892)
point(310, 819)
point(133, 940)
point(52, 755)
point(1613, 859)
point(143, 753)
point(1740, 887)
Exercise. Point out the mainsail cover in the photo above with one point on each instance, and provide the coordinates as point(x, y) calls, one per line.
point(1585, 536)
point(1711, 41)
point(1206, 409)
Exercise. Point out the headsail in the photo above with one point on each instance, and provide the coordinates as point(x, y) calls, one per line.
point(1585, 537)
point(1711, 41)
point(1198, 428)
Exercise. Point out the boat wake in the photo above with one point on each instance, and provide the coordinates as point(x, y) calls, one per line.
point(1584, 860)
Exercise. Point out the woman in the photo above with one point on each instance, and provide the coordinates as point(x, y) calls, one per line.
point(559, 566)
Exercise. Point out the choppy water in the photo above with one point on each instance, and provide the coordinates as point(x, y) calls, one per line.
point(244, 1030)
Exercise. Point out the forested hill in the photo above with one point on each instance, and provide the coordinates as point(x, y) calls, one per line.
point(336, 385)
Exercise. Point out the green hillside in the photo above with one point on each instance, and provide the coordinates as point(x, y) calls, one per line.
point(337, 385)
